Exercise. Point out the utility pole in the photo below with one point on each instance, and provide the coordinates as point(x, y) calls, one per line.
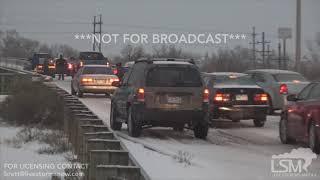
point(263, 51)
point(97, 32)
point(279, 56)
point(94, 32)
point(268, 56)
point(298, 36)
point(100, 31)
point(253, 46)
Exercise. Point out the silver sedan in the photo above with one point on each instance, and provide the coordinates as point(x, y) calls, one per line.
point(97, 79)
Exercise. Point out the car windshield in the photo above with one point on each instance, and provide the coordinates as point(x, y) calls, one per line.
point(289, 77)
point(233, 80)
point(91, 56)
point(173, 77)
point(97, 70)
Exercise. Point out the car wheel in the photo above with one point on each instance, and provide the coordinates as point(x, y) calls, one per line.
point(314, 142)
point(73, 92)
point(80, 94)
point(260, 121)
point(134, 126)
point(270, 109)
point(283, 132)
point(201, 130)
point(113, 119)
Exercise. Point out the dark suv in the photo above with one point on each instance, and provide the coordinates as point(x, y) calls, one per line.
point(161, 92)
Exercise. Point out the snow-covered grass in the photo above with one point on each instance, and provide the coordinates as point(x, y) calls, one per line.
point(13, 151)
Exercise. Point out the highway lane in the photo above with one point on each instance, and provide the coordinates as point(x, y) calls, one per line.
point(239, 148)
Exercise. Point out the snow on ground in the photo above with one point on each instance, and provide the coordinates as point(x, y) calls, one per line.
point(26, 154)
point(231, 151)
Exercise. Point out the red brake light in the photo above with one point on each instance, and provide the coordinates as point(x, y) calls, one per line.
point(261, 97)
point(70, 66)
point(222, 97)
point(114, 79)
point(283, 89)
point(206, 95)
point(140, 95)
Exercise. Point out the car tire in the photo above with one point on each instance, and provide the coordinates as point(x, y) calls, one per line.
point(270, 109)
point(259, 121)
point(201, 130)
point(134, 124)
point(80, 94)
point(73, 92)
point(283, 132)
point(314, 142)
point(113, 119)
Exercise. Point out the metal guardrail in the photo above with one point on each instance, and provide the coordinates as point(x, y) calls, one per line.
point(96, 144)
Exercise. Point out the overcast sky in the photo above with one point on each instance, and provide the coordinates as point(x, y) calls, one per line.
point(56, 21)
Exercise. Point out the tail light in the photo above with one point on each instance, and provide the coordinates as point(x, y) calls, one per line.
point(81, 63)
point(283, 89)
point(140, 95)
point(206, 95)
point(113, 80)
point(70, 66)
point(261, 98)
point(86, 80)
point(115, 71)
point(220, 97)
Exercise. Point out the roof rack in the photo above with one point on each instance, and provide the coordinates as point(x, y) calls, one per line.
point(151, 60)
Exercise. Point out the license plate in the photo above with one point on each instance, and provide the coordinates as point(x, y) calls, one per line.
point(242, 97)
point(52, 67)
point(174, 100)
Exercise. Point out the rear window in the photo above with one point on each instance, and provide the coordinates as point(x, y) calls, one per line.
point(233, 80)
point(91, 55)
point(288, 77)
point(97, 70)
point(173, 77)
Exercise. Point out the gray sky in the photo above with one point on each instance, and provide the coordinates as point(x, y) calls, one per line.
point(56, 21)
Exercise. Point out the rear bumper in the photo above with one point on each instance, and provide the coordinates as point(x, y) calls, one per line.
point(240, 112)
point(97, 89)
point(170, 118)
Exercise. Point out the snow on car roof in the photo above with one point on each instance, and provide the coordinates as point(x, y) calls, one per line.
point(273, 71)
point(225, 74)
point(171, 62)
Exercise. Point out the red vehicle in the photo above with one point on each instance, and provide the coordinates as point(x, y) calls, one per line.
point(300, 120)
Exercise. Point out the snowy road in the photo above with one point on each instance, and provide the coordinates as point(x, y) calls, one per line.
point(231, 151)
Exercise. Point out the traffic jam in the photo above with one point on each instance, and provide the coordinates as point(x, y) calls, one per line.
point(171, 92)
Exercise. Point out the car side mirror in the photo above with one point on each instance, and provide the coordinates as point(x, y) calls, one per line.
point(116, 83)
point(292, 97)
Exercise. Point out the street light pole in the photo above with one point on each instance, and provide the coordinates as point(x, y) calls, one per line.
point(298, 36)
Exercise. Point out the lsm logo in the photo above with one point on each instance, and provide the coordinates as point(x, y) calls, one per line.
point(295, 163)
